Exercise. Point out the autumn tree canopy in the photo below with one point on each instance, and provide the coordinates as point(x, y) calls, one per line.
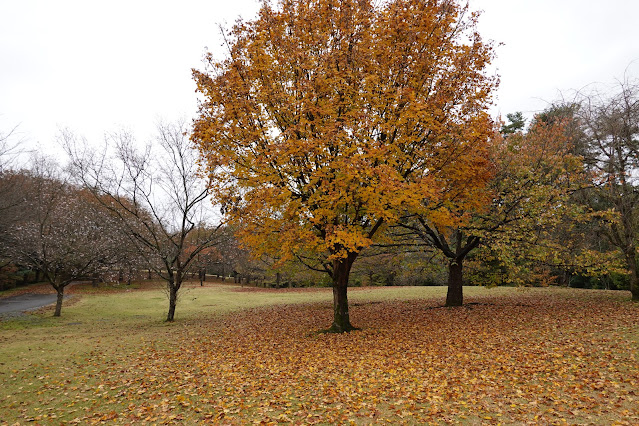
point(328, 119)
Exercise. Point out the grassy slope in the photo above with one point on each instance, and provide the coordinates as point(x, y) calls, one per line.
point(100, 361)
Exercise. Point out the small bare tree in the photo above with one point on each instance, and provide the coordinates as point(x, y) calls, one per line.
point(157, 195)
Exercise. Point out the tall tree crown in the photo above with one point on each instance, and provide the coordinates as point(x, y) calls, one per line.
point(328, 118)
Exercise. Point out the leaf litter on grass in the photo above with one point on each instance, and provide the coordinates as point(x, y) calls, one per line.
point(539, 357)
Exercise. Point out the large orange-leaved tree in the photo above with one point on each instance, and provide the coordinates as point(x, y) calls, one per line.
point(329, 119)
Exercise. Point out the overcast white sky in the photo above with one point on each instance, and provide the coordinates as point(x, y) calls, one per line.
point(95, 66)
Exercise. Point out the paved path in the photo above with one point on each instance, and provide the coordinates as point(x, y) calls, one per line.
point(25, 302)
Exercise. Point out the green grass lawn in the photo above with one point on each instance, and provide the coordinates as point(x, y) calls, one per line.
point(102, 318)
point(236, 356)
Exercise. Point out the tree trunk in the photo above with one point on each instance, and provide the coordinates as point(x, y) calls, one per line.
point(455, 295)
point(58, 303)
point(341, 272)
point(174, 286)
point(278, 278)
point(634, 275)
point(172, 303)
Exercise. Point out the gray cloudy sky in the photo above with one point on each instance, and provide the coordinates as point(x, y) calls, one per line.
point(95, 66)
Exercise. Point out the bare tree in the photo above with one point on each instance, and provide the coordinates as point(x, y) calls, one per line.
point(11, 196)
point(157, 195)
point(12, 206)
point(610, 147)
point(61, 232)
point(9, 148)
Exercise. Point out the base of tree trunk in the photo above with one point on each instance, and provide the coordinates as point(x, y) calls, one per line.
point(335, 328)
point(170, 317)
point(171, 314)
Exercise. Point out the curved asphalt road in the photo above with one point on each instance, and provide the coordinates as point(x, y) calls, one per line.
point(25, 302)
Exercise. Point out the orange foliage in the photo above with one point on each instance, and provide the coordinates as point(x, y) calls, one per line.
point(331, 118)
point(326, 120)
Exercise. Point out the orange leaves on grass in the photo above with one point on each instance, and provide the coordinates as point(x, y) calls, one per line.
point(545, 355)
